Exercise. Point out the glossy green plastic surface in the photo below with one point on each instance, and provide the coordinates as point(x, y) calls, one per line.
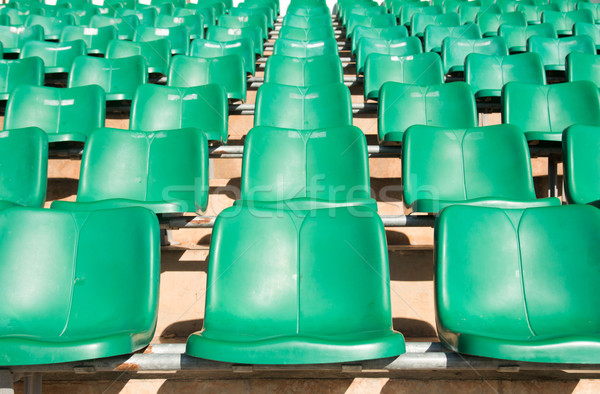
point(516, 36)
point(407, 11)
point(245, 11)
point(13, 73)
point(52, 26)
point(210, 49)
point(590, 29)
point(301, 49)
point(77, 285)
point(254, 33)
point(486, 166)
point(375, 21)
point(315, 70)
point(594, 7)
point(64, 114)
point(563, 21)
point(398, 47)
point(227, 71)
point(58, 57)
point(488, 74)
point(544, 111)
point(567, 5)
point(385, 33)
point(420, 22)
point(306, 169)
point(315, 288)
point(456, 50)
point(307, 22)
point(82, 16)
point(450, 105)
point(555, 50)
point(583, 67)
point(157, 53)
point(236, 22)
point(422, 69)
point(125, 25)
point(434, 35)
point(178, 37)
point(519, 284)
point(468, 11)
point(95, 38)
point(193, 22)
point(165, 171)
point(156, 108)
point(146, 17)
point(24, 164)
point(14, 37)
point(303, 108)
point(489, 22)
point(311, 34)
point(581, 164)
point(533, 13)
point(118, 77)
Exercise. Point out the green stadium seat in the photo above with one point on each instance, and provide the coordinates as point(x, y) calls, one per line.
point(227, 71)
point(301, 10)
point(193, 22)
point(311, 34)
point(533, 12)
point(555, 50)
point(160, 9)
point(211, 49)
point(146, 17)
point(156, 108)
point(305, 169)
point(407, 11)
point(376, 21)
point(24, 163)
point(394, 6)
point(157, 53)
point(519, 284)
point(456, 50)
point(224, 34)
point(484, 166)
point(125, 25)
point(95, 38)
point(82, 16)
point(580, 146)
point(318, 292)
point(118, 77)
point(165, 171)
point(422, 69)
point(544, 111)
point(206, 14)
point(306, 22)
point(507, 5)
point(434, 35)
point(13, 38)
point(421, 21)
point(563, 21)
point(592, 7)
point(567, 5)
point(468, 11)
point(453, 5)
point(398, 47)
point(14, 73)
point(58, 57)
point(16, 17)
point(242, 12)
point(363, 9)
point(583, 67)
point(303, 108)
point(267, 7)
point(178, 37)
point(490, 22)
point(315, 70)
point(590, 29)
point(295, 48)
point(516, 36)
point(488, 74)
point(236, 22)
point(77, 285)
point(64, 114)
point(52, 26)
point(385, 33)
point(401, 106)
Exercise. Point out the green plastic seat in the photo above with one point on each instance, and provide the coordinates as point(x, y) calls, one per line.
point(533, 13)
point(236, 22)
point(146, 17)
point(454, 5)
point(156, 108)
point(384, 33)
point(251, 11)
point(165, 171)
point(312, 10)
point(434, 35)
point(422, 69)
point(583, 67)
point(82, 16)
point(24, 163)
point(77, 285)
point(519, 284)
point(315, 70)
point(544, 111)
point(516, 36)
point(420, 22)
point(125, 25)
point(157, 53)
point(178, 37)
point(580, 146)
point(52, 26)
point(468, 11)
point(306, 22)
point(13, 38)
point(563, 21)
point(484, 166)
point(401, 106)
point(305, 169)
point(555, 50)
point(16, 17)
point(490, 22)
point(398, 47)
point(227, 71)
point(64, 114)
point(590, 29)
point(567, 5)
point(193, 22)
point(456, 50)
point(160, 9)
point(303, 108)
point(362, 9)
point(301, 49)
point(210, 49)
point(311, 34)
point(206, 14)
point(296, 308)
point(488, 74)
point(224, 34)
point(407, 11)
point(594, 7)
point(58, 57)
point(95, 38)
point(376, 21)
point(118, 77)
point(13, 73)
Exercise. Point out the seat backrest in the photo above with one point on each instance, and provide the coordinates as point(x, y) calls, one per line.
point(157, 53)
point(422, 69)
point(53, 26)
point(398, 47)
point(555, 50)
point(489, 22)
point(29, 71)
point(385, 33)
point(24, 163)
point(533, 12)
point(193, 22)
point(209, 49)
point(421, 21)
point(125, 24)
point(455, 50)
point(567, 5)
point(315, 70)
point(178, 37)
point(235, 22)
point(584, 5)
point(407, 10)
point(327, 164)
point(580, 146)
point(55, 55)
point(434, 35)
point(583, 67)
point(563, 21)
point(303, 108)
point(516, 36)
point(444, 164)
point(590, 29)
point(295, 48)
point(375, 21)
point(65, 114)
point(449, 105)
point(146, 16)
point(221, 33)
point(95, 38)
point(14, 37)
point(166, 165)
point(306, 22)
point(310, 34)
point(155, 108)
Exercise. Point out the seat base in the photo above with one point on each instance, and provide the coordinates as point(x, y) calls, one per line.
point(543, 136)
point(60, 137)
point(425, 205)
point(392, 138)
point(154, 206)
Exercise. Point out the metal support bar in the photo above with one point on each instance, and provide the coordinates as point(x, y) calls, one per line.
point(552, 176)
point(33, 383)
point(6, 382)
